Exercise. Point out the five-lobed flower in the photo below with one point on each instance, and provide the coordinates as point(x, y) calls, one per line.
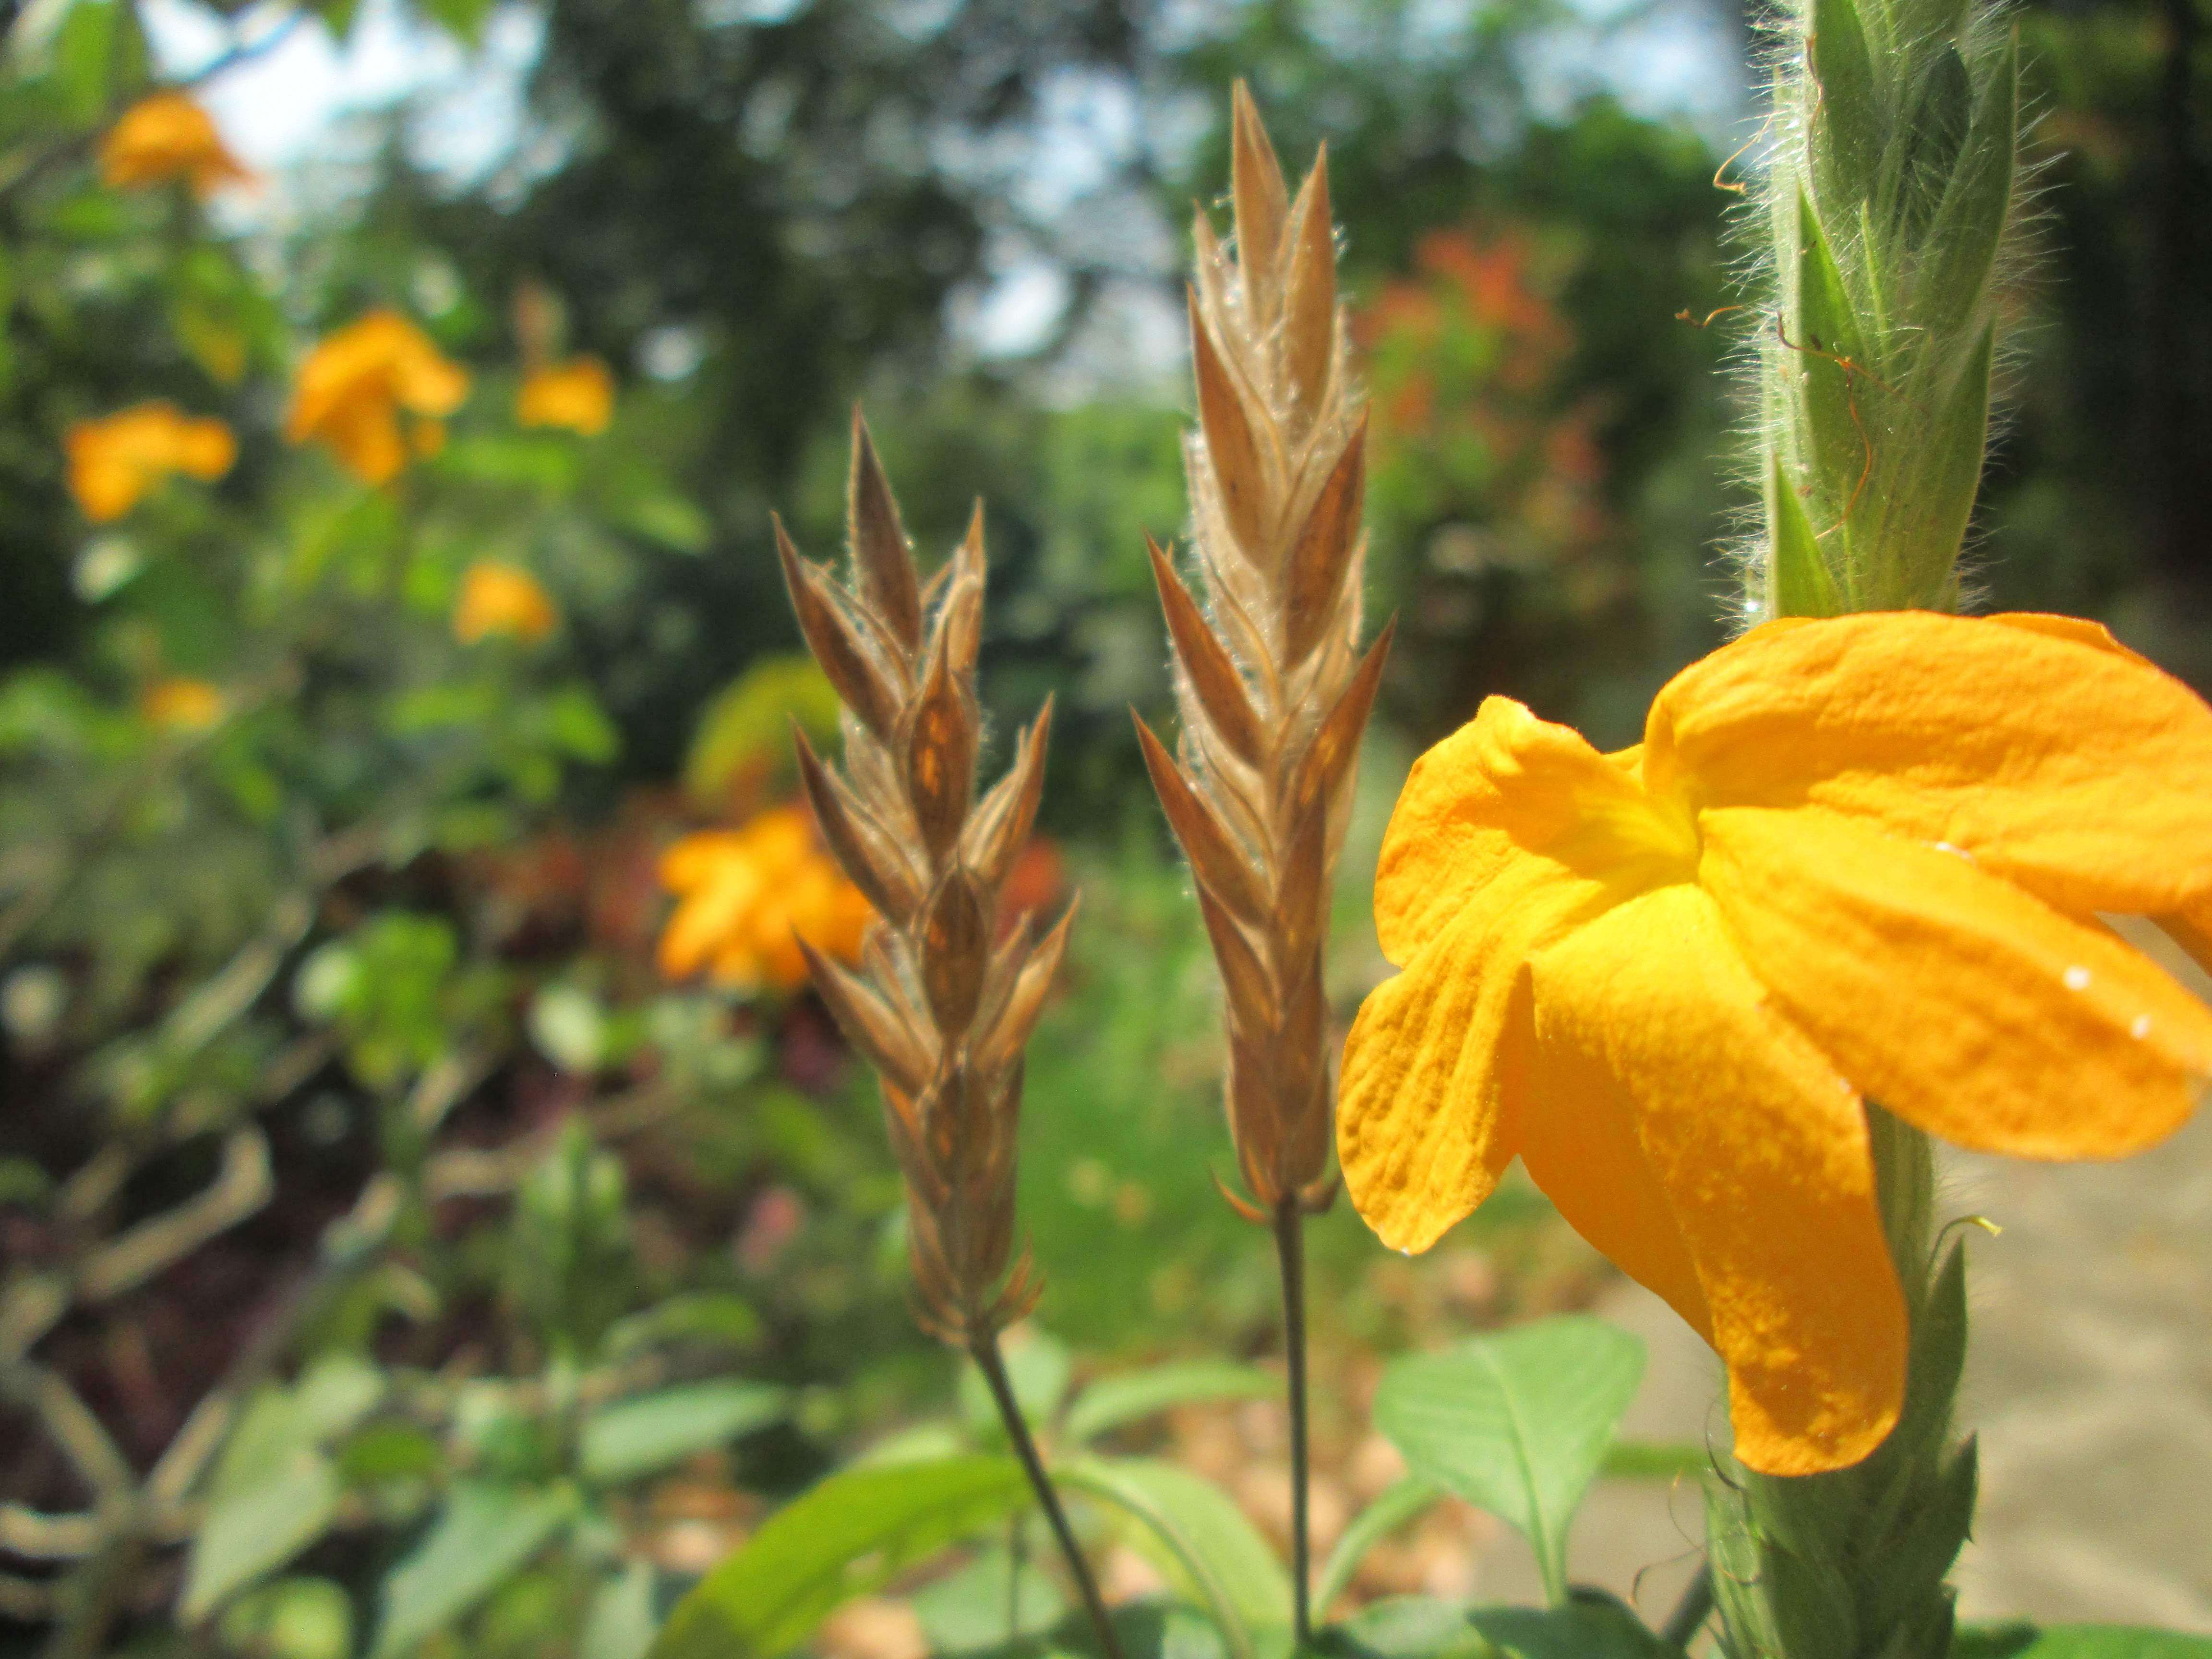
point(747, 896)
point(164, 137)
point(356, 385)
point(117, 460)
point(1854, 859)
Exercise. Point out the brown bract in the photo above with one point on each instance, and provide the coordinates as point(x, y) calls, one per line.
point(1272, 687)
point(941, 1013)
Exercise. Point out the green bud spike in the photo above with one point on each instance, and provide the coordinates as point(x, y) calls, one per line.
point(1888, 198)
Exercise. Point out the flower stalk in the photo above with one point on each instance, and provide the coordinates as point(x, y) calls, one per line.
point(940, 1006)
point(1889, 213)
point(1273, 687)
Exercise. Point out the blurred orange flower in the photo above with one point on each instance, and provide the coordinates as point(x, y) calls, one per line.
point(742, 893)
point(166, 136)
point(579, 395)
point(499, 598)
point(181, 705)
point(354, 385)
point(115, 461)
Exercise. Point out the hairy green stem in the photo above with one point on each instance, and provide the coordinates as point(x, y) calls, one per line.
point(985, 1349)
point(1291, 1252)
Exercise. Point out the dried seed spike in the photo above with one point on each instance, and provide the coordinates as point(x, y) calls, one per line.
point(835, 641)
point(1323, 550)
point(1256, 181)
point(1328, 760)
point(1243, 1207)
point(960, 625)
point(1253, 1097)
point(1301, 889)
point(1206, 661)
point(1213, 857)
point(956, 947)
point(879, 549)
point(1309, 294)
point(940, 763)
point(1001, 824)
point(1010, 1034)
point(1230, 443)
point(1243, 979)
point(870, 859)
point(891, 1047)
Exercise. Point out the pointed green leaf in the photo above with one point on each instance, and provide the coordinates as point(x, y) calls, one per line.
point(1801, 585)
point(483, 1534)
point(1837, 389)
point(854, 1531)
point(2077, 1642)
point(1516, 1423)
point(1196, 1533)
point(621, 1623)
point(1395, 1506)
point(1112, 1401)
point(638, 1436)
point(1848, 118)
point(1962, 243)
point(255, 1527)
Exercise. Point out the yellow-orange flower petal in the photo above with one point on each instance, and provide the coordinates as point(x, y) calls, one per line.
point(167, 135)
point(115, 461)
point(1775, 1195)
point(1423, 1106)
point(1964, 1005)
point(499, 598)
point(578, 395)
point(354, 388)
point(180, 704)
point(2060, 760)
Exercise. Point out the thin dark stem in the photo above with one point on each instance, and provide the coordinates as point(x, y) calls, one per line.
point(986, 1352)
point(1291, 1251)
point(1691, 1613)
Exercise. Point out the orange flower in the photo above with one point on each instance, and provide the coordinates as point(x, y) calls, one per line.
point(164, 137)
point(498, 599)
point(181, 705)
point(354, 385)
point(115, 461)
point(742, 893)
point(578, 394)
point(1860, 854)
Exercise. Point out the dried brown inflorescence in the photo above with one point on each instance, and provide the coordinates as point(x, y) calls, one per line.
point(941, 1011)
point(1273, 690)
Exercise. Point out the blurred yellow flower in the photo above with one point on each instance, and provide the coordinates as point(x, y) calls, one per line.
point(578, 394)
point(1862, 854)
point(499, 598)
point(114, 461)
point(742, 893)
point(356, 384)
point(181, 705)
point(164, 137)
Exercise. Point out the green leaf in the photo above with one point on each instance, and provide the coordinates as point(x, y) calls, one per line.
point(1396, 1505)
point(252, 1529)
point(1588, 1627)
point(638, 1436)
point(1198, 1535)
point(1413, 1628)
point(1112, 1401)
point(855, 1531)
point(1849, 125)
point(988, 1602)
point(484, 1532)
point(620, 1624)
point(2077, 1642)
point(1831, 357)
point(711, 1317)
point(1801, 586)
point(1654, 1459)
point(1516, 1423)
point(292, 1619)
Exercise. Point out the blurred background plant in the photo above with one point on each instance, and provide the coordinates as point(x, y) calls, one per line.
point(434, 1215)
